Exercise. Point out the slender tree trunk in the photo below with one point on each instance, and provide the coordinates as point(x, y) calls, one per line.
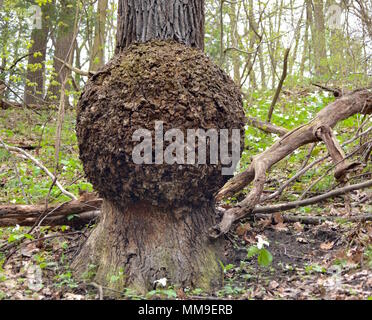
point(319, 39)
point(63, 46)
point(306, 43)
point(34, 91)
point(234, 36)
point(97, 58)
point(136, 244)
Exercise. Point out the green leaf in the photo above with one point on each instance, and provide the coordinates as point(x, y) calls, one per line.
point(28, 236)
point(265, 258)
point(252, 251)
point(70, 217)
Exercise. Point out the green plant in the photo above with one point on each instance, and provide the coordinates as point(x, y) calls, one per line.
point(368, 255)
point(264, 257)
point(169, 293)
point(315, 268)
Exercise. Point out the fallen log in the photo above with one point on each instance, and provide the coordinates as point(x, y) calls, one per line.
point(83, 212)
point(74, 213)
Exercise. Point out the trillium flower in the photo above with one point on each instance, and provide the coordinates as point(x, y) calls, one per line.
point(261, 242)
point(162, 282)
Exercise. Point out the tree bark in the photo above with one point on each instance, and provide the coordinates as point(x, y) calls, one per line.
point(34, 91)
point(97, 58)
point(63, 48)
point(139, 244)
point(319, 39)
point(142, 21)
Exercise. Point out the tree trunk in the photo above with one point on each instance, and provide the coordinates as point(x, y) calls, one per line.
point(234, 35)
point(97, 57)
point(319, 40)
point(137, 243)
point(141, 21)
point(64, 48)
point(34, 92)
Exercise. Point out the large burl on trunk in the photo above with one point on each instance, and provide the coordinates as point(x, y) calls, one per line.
point(155, 217)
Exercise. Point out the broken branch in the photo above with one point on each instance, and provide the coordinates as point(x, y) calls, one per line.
point(341, 109)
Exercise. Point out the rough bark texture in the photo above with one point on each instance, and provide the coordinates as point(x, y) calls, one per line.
point(139, 244)
point(145, 20)
point(157, 81)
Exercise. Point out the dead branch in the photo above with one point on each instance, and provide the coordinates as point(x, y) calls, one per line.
point(310, 201)
point(341, 109)
point(41, 166)
point(336, 92)
point(314, 220)
point(280, 86)
point(76, 70)
point(266, 127)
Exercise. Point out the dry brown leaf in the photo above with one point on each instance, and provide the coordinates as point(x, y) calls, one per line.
point(264, 223)
point(273, 285)
point(280, 227)
point(243, 229)
point(327, 246)
point(278, 218)
point(298, 227)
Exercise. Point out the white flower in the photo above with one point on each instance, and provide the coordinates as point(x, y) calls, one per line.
point(162, 282)
point(14, 201)
point(17, 227)
point(261, 242)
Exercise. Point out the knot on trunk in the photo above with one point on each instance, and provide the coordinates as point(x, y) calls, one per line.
point(131, 105)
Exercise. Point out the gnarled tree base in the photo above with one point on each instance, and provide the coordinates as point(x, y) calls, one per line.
point(135, 246)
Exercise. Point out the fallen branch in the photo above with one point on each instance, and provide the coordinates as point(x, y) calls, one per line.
point(266, 127)
point(84, 212)
point(317, 220)
point(341, 109)
point(41, 166)
point(313, 200)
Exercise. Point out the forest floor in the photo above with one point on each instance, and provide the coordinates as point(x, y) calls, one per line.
point(327, 261)
point(332, 260)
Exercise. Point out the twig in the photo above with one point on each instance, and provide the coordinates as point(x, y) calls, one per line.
point(310, 201)
point(317, 220)
point(266, 127)
point(99, 288)
point(280, 86)
point(41, 166)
